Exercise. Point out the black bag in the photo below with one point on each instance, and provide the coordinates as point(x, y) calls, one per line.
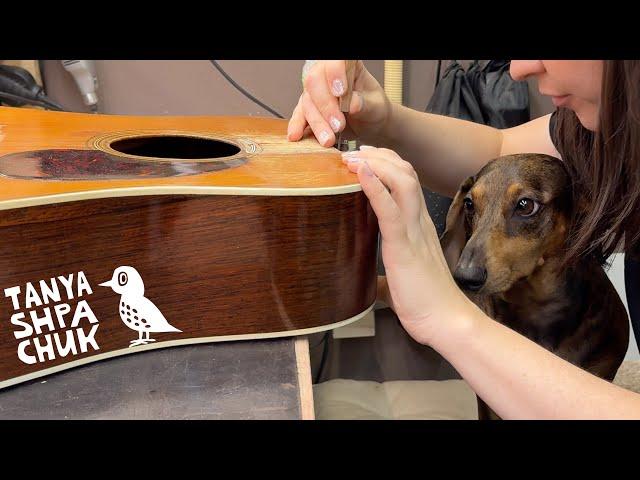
point(483, 94)
point(454, 95)
point(504, 102)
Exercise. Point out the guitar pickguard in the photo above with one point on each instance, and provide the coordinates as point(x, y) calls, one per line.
point(71, 164)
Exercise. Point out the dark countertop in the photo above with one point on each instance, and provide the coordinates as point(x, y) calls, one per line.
point(231, 380)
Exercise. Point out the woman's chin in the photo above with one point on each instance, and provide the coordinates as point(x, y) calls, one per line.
point(588, 119)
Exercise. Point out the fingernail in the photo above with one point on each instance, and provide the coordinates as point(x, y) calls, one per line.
point(366, 169)
point(324, 137)
point(335, 124)
point(338, 87)
point(366, 147)
point(351, 157)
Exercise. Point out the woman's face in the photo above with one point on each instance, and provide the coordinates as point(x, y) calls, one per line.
point(573, 84)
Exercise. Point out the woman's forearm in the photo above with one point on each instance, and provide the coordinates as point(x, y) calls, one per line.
point(443, 150)
point(519, 379)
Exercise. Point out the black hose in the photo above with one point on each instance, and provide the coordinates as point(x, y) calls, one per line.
point(243, 91)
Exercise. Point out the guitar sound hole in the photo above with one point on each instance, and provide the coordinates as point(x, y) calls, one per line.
point(174, 146)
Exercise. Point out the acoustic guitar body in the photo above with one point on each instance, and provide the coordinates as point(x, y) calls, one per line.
point(120, 234)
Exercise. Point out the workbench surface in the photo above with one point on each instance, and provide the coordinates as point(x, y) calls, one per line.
point(266, 379)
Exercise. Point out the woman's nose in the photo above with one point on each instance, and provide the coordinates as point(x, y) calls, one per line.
point(521, 69)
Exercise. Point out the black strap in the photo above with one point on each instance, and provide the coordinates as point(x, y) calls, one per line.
point(632, 287)
point(552, 129)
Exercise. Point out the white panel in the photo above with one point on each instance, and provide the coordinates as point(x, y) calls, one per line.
point(616, 275)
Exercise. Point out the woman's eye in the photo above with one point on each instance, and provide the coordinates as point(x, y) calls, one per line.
point(527, 207)
point(468, 205)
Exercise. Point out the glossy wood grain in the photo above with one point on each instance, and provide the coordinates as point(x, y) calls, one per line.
point(214, 265)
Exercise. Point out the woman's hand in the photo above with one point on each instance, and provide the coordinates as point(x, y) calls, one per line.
point(418, 286)
point(318, 106)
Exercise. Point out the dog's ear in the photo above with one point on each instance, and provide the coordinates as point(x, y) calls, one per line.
point(454, 237)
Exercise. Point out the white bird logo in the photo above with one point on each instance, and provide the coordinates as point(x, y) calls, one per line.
point(136, 311)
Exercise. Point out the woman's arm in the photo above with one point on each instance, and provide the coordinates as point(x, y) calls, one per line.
point(519, 379)
point(514, 376)
point(444, 150)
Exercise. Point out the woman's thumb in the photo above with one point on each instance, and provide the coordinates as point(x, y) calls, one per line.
point(383, 297)
point(358, 103)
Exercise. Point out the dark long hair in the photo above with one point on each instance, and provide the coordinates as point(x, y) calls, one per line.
point(605, 166)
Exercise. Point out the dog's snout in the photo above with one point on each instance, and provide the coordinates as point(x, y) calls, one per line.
point(470, 278)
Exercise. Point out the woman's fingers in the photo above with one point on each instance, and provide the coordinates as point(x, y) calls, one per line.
point(337, 84)
point(324, 84)
point(387, 155)
point(392, 174)
point(318, 124)
point(336, 75)
point(357, 104)
point(404, 186)
point(400, 178)
point(318, 106)
point(320, 94)
point(297, 123)
point(390, 222)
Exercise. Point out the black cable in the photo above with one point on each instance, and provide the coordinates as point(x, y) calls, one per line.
point(52, 105)
point(18, 87)
point(41, 102)
point(44, 81)
point(243, 91)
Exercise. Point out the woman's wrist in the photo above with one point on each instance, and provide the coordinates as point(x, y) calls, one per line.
point(386, 136)
point(454, 329)
point(380, 135)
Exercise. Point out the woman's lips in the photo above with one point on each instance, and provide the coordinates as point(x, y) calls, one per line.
point(558, 101)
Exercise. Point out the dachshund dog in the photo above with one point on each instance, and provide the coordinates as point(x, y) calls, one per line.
point(504, 239)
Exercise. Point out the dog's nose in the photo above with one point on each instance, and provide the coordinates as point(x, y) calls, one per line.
point(470, 278)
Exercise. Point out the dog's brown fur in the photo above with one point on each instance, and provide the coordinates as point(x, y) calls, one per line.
point(574, 312)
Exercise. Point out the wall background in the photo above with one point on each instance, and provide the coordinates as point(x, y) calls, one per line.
point(195, 87)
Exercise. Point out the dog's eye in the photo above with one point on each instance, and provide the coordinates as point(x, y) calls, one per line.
point(468, 205)
point(527, 207)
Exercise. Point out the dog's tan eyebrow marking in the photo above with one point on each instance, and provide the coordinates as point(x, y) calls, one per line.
point(478, 192)
point(514, 190)
point(546, 197)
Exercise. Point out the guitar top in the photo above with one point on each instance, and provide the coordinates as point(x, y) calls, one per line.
point(53, 157)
